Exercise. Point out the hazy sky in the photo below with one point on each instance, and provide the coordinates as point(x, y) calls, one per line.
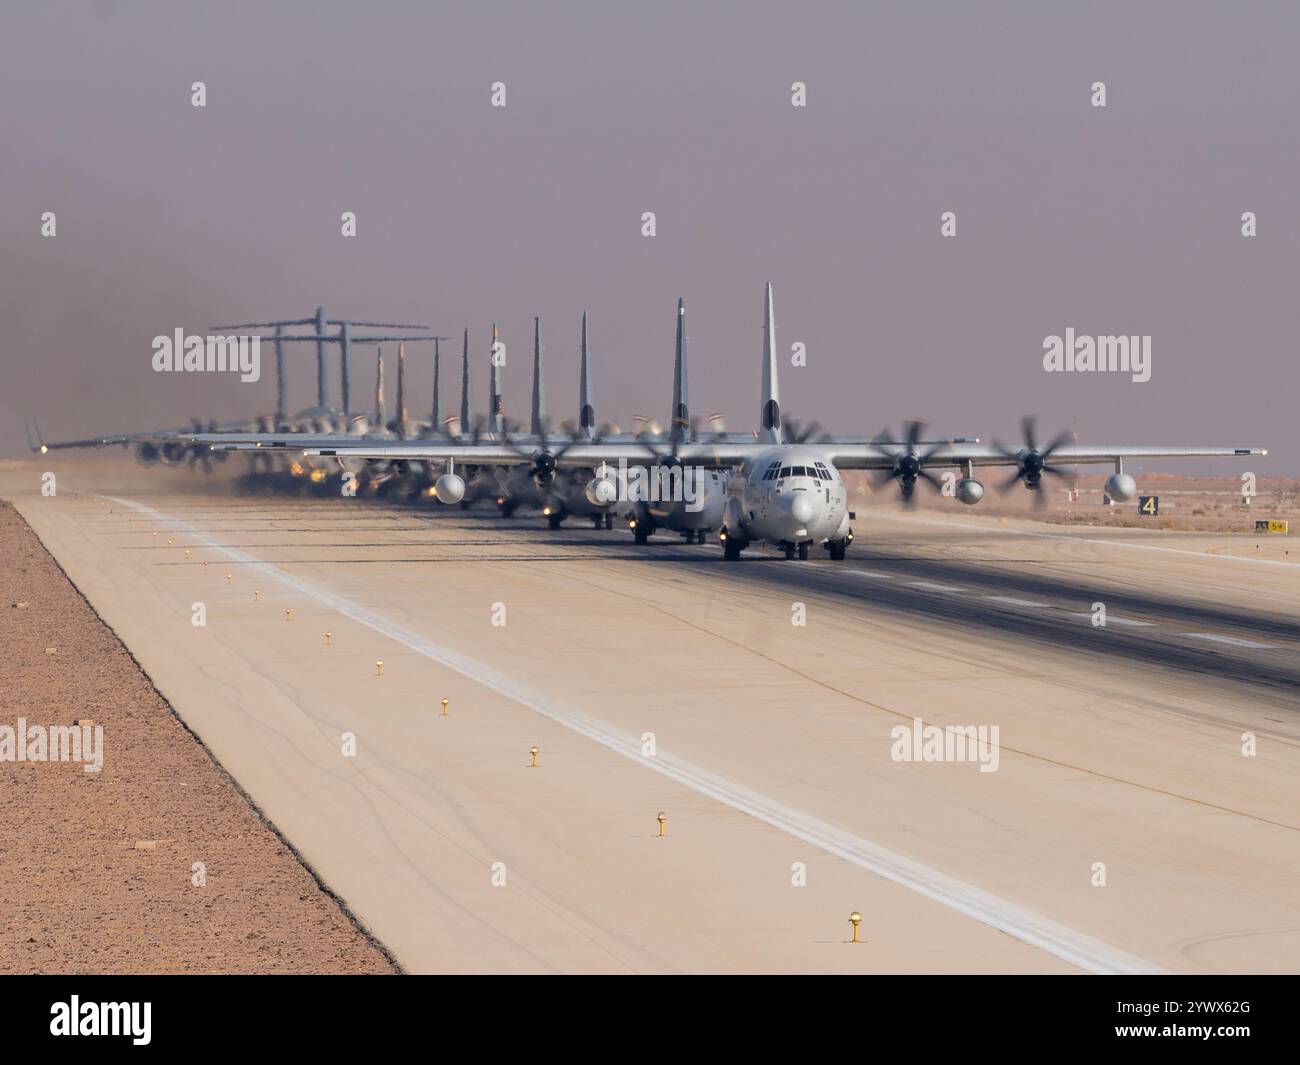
point(1125, 219)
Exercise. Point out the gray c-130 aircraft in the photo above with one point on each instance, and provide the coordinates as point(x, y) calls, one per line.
point(779, 492)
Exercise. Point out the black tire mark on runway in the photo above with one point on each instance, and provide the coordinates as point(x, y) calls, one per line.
point(1277, 675)
point(1048, 626)
point(1191, 613)
point(909, 716)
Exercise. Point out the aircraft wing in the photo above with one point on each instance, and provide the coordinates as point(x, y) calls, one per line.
point(99, 441)
point(869, 458)
point(513, 450)
point(42, 445)
point(717, 453)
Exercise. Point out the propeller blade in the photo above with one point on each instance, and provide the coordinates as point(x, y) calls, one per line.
point(1027, 426)
point(1061, 438)
point(1010, 482)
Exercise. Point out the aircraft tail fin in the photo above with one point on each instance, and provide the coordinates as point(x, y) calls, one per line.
point(321, 397)
point(539, 399)
point(436, 416)
point(496, 415)
point(771, 411)
point(586, 412)
point(401, 388)
point(681, 414)
point(465, 412)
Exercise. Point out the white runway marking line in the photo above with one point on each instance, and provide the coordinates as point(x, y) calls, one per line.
point(1031, 928)
point(1013, 601)
point(1235, 641)
point(869, 573)
point(934, 586)
point(1111, 619)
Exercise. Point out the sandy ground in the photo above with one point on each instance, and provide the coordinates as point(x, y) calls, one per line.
point(1121, 749)
point(1185, 504)
point(79, 896)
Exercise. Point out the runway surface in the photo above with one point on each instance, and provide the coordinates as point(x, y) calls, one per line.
point(1121, 747)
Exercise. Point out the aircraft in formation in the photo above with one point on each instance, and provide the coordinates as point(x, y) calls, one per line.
point(775, 486)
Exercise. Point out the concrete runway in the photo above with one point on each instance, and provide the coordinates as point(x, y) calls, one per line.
point(1119, 745)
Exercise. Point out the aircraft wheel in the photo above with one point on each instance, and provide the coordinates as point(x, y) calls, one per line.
point(803, 552)
point(838, 548)
point(702, 537)
point(553, 520)
point(640, 535)
point(731, 549)
point(789, 552)
point(609, 521)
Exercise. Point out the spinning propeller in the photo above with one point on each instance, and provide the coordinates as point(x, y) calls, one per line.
point(909, 463)
point(1031, 461)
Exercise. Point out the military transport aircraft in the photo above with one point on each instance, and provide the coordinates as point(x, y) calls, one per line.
point(787, 494)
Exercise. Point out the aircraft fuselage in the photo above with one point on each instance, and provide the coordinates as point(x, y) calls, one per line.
point(789, 495)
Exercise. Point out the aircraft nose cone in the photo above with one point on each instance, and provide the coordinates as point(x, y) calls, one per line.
point(801, 509)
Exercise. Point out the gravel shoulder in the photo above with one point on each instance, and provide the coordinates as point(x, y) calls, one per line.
point(157, 863)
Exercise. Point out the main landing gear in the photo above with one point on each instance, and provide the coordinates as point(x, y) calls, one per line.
point(732, 545)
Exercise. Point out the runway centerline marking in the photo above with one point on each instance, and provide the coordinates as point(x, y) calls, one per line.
point(934, 586)
point(1076, 948)
point(1235, 641)
point(1011, 599)
point(1111, 619)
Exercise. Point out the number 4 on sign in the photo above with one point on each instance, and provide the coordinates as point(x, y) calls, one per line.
point(1149, 506)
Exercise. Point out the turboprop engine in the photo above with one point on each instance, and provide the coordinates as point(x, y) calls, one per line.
point(542, 468)
point(172, 452)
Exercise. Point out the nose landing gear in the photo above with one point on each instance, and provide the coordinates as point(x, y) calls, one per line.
point(837, 548)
